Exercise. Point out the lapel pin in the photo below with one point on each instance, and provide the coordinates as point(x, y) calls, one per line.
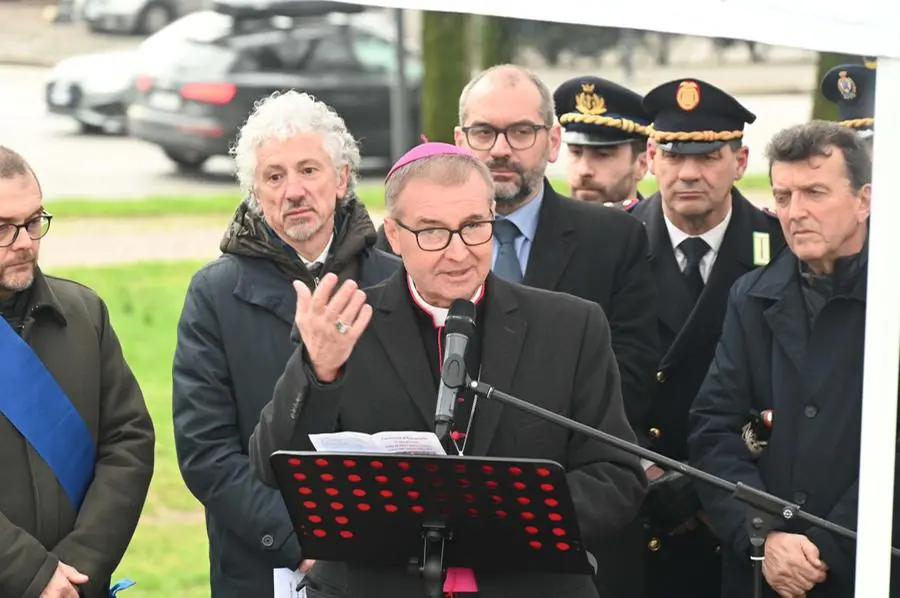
point(761, 246)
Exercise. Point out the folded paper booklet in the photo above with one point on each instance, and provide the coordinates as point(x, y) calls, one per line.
point(405, 443)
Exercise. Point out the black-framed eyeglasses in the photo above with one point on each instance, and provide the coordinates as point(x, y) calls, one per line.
point(520, 136)
point(437, 238)
point(36, 228)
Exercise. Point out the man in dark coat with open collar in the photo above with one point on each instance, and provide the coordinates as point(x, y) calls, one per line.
point(703, 235)
point(370, 362)
point(234, 334)
point(781, 407)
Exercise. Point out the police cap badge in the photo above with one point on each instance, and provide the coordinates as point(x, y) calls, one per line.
point(852, 88)
point(691, 116)
point(595, 111)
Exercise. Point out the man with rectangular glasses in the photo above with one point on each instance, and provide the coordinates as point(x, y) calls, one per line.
point(546, 240)
point(370, 361)
point(75, 435)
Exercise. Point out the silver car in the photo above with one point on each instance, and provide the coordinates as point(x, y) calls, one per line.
point(93, 89)
point(136, 17)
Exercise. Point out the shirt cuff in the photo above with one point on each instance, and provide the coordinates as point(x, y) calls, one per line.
point(647, 464)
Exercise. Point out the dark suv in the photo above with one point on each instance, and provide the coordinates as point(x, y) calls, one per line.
point(199, 78)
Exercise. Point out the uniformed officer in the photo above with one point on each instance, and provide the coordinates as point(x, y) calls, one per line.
point(852, 88)
point(792, 344)
point(605, 131)
point(703, 235)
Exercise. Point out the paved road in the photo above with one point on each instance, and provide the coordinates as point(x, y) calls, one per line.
point(74, 165)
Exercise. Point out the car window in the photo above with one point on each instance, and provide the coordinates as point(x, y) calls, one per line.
point(332, 53)
point(282, 52)
point(187, 45)
point(378, 55)
point(203, 26)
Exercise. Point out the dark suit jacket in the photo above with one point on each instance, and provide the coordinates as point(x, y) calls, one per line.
point(689, 334)
point(600, 254)
point(550, 349)
point(769, 357)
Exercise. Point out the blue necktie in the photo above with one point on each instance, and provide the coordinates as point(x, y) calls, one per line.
point(507, 265)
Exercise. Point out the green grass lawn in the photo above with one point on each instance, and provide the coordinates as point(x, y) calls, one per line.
point(371, 195)
point(168, 556)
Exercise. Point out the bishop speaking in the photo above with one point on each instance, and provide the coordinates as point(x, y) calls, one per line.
point(369, 361)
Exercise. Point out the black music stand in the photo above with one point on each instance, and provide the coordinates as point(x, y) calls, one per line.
point(428, 513)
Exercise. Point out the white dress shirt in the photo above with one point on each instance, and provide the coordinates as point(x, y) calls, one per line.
point(322, 256)
point(713, 238)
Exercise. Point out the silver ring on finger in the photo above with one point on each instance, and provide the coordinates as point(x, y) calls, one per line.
point(341, 327)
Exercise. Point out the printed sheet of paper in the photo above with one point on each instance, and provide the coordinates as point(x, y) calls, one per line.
point(409, 443)
point(286, 581)
point(345, 442)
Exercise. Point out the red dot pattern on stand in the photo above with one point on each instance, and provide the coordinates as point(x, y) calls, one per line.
point(356, 489)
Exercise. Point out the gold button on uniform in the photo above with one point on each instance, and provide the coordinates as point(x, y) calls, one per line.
point(654, 544)
point(655, 433)
point(660, 376)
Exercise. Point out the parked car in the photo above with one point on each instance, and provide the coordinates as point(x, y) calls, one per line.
point(93, 89)
point(136, 17)
point(195, 90)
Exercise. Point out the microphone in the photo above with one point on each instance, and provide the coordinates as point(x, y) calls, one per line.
point(459, 328)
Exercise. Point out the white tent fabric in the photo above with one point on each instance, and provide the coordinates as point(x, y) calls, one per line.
point(822, 25)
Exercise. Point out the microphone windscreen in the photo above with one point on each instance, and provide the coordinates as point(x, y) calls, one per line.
point(461, 318)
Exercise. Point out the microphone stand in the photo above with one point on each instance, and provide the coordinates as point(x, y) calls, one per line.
point(764, 508)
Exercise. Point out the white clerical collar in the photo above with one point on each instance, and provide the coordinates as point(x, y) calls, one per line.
point(322, 256)
point(713, 236)
point(438, 314)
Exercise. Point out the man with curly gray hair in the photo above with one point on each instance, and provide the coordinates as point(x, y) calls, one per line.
point(300, 219)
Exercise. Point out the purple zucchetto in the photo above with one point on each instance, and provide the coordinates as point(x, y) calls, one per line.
point(427, 150)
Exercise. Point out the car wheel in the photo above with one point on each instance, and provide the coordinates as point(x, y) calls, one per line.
point(89, 129)
point(154, 17)
point(186, 161)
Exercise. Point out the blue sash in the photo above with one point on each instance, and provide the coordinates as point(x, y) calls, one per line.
point(35, 404)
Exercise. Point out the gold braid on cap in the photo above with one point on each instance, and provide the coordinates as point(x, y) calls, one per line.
point(858, 123)
point(666, 136)
point(629, 126)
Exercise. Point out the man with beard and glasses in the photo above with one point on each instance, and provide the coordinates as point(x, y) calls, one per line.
point(605, 132)
point(75, 435)
point(297, 163)
point(703, 236)
point(546, 240)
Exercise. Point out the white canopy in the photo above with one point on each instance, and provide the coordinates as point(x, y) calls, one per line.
point(821, 25)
